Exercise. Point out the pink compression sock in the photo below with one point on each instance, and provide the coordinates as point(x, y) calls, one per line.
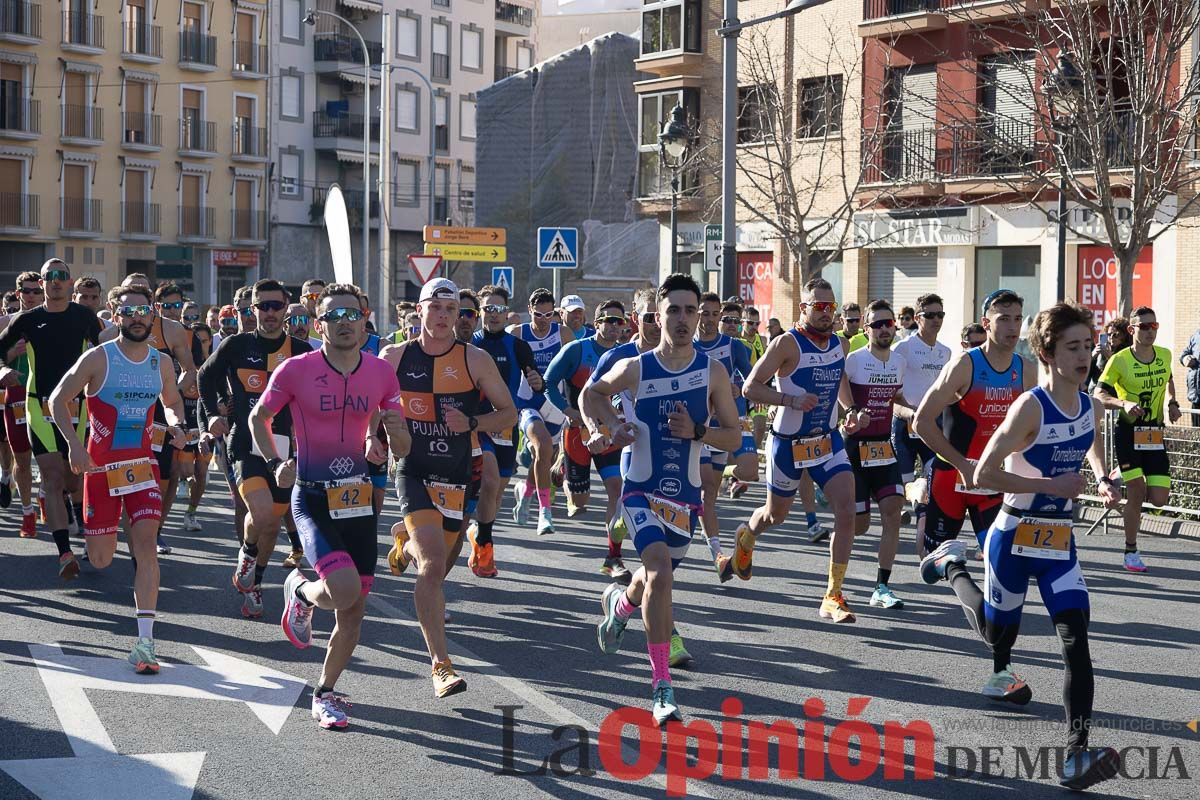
point(543, 498)
point(625, 608)
point(660, 661)
point(529, 488)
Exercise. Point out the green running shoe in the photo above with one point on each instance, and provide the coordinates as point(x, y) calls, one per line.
point(680, 657)
point(142, 657)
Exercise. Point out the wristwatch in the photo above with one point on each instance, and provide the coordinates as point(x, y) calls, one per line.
point(699, 434)
point(1108, 480)
point(472, 423)
point(273, 464)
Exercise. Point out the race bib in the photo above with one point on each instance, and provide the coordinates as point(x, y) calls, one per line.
point(193, 437)
point(812, 451)
point(1148, 438)
point(876, 454)
point(73, 407)
point(448, 498)
point(18, 409)
point(158, 437)
point(675, 516)
point(1037, 537)
point(349, 498)
point(747, 425)
point(127, 477)
point(283, 446)
point(961, 488)
point(502, 439)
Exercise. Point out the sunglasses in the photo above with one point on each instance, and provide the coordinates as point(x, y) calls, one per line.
point(27, 290)
point(467, 313)
point(248, 311)
point(228, 324)
point(190, 317)
point(930, 315)
point(172, 307)
point(879, 324)
point(270, 305)
point(135, 311)
point(650, 318)
point(543, 314)
point(495, 309)
point(12, 309)
point(907, 318)
point(821, 306)
point(854, 320)
point(298, 319)
point(312, 296)
point(341, 315)
point(56, 275)
point(1150, 326)
point(731, 320)
point(610, 320)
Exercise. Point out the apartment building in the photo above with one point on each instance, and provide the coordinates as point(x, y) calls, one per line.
point(460, 46)
point(133, 139)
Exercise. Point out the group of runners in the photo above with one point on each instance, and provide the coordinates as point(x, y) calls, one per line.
point(310, 414)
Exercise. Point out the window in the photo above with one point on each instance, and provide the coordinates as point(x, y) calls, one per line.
point(472, 49)
point(655, 110)
point(408, 104)
point(524, 57)
point(291, 175)
point(292, 26)
point(441, 188)
point(466, 189)
point(408, 36)
point(441, 121)
point(671, 26)
point(408, 183)
point(820, 110)
point(291, 88)
point(441, 51)
point(755, 103)
point(466, 117)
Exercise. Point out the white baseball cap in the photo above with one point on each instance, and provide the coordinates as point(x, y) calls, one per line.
point(438, 289)
point(572, 302)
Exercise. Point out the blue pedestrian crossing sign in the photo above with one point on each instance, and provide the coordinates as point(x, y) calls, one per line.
point(503, 277)
point(558, 248)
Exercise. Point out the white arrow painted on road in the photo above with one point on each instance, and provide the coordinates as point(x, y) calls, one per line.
point(98, 772)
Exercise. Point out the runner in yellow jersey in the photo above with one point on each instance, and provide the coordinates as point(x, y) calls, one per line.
point(751, 321)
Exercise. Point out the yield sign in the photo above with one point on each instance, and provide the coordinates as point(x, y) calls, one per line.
point(424, 266)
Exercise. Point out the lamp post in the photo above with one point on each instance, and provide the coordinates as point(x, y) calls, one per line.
point(310, 18)
point(730, 28)
point(673, 141)
point(1062, 92)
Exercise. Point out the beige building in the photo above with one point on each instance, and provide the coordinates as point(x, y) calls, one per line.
point(133, 139)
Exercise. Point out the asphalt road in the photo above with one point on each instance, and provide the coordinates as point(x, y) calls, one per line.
point(231, 718)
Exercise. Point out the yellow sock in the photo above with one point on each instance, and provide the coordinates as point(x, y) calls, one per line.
point(728, 471)
point(837, 574)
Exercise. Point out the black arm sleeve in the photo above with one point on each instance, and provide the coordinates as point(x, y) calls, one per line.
point(211, 379)
point(524, 355)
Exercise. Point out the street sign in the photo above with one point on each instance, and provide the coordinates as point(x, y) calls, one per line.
point(424, 267)
point(441, 234)
point(467, 252)
point(712, 248)
point(503, 277)
point(558, 248)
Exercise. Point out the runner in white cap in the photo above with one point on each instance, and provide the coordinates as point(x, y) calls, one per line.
point(574, 316)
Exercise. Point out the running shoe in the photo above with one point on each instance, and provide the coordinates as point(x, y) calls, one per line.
point(933, 566)
point(329, 710)
point(835, 608)
point(243, 575)
point(545, 522)
point(884, 597)
point(819, 496)
point(743, 553)
point(297, 617)
point(5, 494)
point(68, 567)
point(738, 488)
point(1008, 687)
point(610, 629)
point(397, 559)
point(446, 681)
point(615, 568)
point(190, 523)
point(29, 526)
point(665, 709)
point(817, 533)
point(1085, 768)
point(142, 657)
point(483, 561)
point(724, 565)
point(1134, 563)
point(618, 530)
point(906, 516)
point(679, 657)
point(573, 510)
point(252, 603)
point(294, 559)
point(164, 549)
point(520, 513)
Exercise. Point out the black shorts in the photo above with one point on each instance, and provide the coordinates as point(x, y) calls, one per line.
point(331, 544)
point(251, 473)
point(506, 454)
point(1152, 465)
point(948, 508)
point(420, 498)
point(165, 457)
point(874, 482)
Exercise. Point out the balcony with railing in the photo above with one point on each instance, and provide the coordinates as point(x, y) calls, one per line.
point(141, 42)
point(18, 212)
point(512, 18)
point(248, 227)
point(197, 137)
point(342, 132)
point(82, 124)
point(892, 17)
point(249, 143)
point(196, 224)
point(141, 131)
point(83, 33)
point(337, 52)
point(20, 22)
point(503, 71)
point(250, 59)
point(20, 117)
point(354, 206)
point(441, 138)
point(79, 216)
point(197, 51)
point(141, 221)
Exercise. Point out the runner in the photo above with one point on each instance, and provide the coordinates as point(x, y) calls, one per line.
point(191, 315)
point(751, 322)
point(1035, 457)
point(744, 469)
point(923, 357)
point(241, 367)
point(337, 396)
point(14, 378)
point(973, 335)
point(540, 426)
point(573, 313)
point(674, 391)
point(300, 325)
point(1135, 382)
point(441, 383)
point(310, 295)
point(227, 320)
point(87, 293)
point(193, 459)
point(871, 391)
point(243, 301)
point(852, 333)
point(55, 334)
point(807, 366)
point(122, 379)
point(971, 396)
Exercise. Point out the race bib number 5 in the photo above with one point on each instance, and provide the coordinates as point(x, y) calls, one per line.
point(812, 451)
point(1037, 537)
point(128, 477)
point(349, 498)
point(448, 498)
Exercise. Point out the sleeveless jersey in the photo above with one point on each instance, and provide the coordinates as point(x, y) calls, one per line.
point(545, 348)
point(372, 345)
point(509, 357)
point(874, 384)
point(734, 355)
point(1061, 445)
point(121, 410)
point(818, 371)
point(429, 385)
point(660, 464)
point(969, 423)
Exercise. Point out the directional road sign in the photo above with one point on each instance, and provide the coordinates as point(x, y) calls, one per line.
point(424, 267)
point(441, 234)
point(467, 252)
point(558, 248)
point(712, 248)
point(503, 277)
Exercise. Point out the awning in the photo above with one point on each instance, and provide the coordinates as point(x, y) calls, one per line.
point(356, 77)
point(363, 5)
point(355, 156)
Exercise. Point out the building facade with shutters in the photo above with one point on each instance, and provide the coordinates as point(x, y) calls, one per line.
point(133, 139)
point(460, 46)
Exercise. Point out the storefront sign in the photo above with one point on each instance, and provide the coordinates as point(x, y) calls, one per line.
point(1099, 272)
point(235, 258)
point(907, 229)
point(756, 281)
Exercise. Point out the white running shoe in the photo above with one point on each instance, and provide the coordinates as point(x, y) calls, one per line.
point(190, 523)
point(252, 603)
point(520, 511)
point(1134, 563)
point(817, 533)
point(329, 710)
point(243, 575)
point(545, 522)
point(297, 617)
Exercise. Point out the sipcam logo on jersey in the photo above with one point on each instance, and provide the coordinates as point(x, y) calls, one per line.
point(669, 487)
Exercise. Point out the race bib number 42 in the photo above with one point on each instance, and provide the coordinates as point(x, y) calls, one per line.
point(812, 451)
point(128, 477)
point(349, 498)
point(1036, 537)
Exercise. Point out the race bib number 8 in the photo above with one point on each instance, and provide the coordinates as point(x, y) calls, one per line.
point(812, 451)
point(349, 498)
point(876, 454)
point(448, 498)
point(675, 516)
point(1043, 538)
point(1148, 438)
point(127, 477)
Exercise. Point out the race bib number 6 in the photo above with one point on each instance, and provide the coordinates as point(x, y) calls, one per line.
point(1037, 537)
point(128, 477)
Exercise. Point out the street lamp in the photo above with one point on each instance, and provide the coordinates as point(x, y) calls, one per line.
point(1063, 87)
point(730, 28)
point(310, 19)
point(673, 141)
